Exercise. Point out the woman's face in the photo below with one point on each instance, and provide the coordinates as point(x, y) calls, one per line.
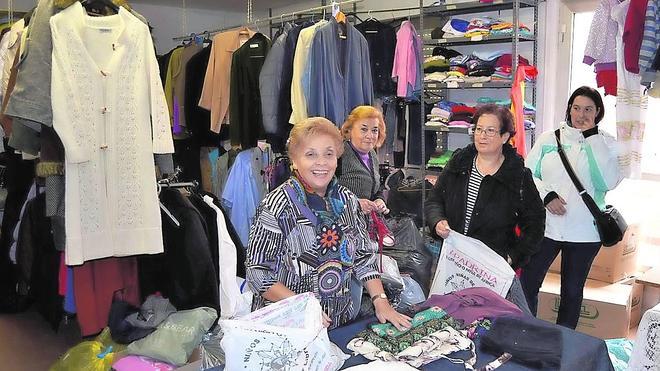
point(316, 161)
point(583, 113)
point(364, 134)
point(487, 137)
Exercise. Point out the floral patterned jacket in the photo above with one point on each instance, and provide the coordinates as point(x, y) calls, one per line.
point(307, 252)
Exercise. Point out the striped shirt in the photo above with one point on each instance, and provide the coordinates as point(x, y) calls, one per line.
point(650, 42)
point(473, 191)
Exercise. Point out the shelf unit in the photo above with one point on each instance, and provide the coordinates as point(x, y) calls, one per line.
point(438, 85)
point(475, 40)
point(438, 89)
point(450, 8)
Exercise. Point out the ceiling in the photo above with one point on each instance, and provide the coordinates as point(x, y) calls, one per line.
point(228, 5)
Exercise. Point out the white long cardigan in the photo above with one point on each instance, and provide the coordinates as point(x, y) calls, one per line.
point(110, 112)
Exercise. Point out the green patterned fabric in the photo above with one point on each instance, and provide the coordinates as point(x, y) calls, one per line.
point(387, 338)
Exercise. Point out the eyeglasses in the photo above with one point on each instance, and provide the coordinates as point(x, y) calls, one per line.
point(589, 110)
point(490, 131)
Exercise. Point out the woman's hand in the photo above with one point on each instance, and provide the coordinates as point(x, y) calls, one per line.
point(326, 320)
point(367, 206)
point(556, 206)
point(386, 313)
point(381, 207)
point(442, 229)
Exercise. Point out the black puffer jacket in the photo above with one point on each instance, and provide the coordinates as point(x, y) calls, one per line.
point(506, 199)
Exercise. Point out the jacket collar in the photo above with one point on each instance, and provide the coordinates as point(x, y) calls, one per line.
point(570, 133)
point(235, 38)
point(462, 162)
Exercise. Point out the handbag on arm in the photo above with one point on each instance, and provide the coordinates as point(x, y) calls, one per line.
point(609, 222)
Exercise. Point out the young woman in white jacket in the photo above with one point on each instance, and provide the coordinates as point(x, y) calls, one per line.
point(570, 227)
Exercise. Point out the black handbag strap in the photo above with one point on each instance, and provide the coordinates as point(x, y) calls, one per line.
point(591, 204)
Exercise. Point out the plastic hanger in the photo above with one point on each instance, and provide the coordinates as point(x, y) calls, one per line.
point(340, 17)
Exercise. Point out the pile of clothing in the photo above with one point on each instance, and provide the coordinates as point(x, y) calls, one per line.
point(153, 337)
point(479, 26)
point(449, 326)
point(529, 111)
point(448, 65)
point(450, 113)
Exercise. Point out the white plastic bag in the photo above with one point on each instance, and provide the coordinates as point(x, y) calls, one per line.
point(287, 335)
point(244, 305)
point(467, 262)
point(390, 271)
point(412, 293)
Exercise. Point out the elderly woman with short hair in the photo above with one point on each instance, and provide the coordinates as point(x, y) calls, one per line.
point(308, 235)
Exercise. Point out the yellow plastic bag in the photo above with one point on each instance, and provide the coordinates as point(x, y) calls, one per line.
point(95, 355)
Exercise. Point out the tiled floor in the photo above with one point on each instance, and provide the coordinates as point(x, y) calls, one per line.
point(28, 343)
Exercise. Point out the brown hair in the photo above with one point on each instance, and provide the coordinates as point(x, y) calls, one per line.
point(503, 114)
point(590, 93)
point(310, 127)
point(361, 113)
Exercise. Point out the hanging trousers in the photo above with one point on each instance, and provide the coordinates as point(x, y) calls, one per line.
point(576, 259)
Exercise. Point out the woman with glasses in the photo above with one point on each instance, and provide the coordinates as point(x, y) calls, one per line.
point(569, 225)
point(485, 191)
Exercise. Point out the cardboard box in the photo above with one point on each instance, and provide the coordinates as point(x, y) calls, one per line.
point(615, 263)
point(608, 310)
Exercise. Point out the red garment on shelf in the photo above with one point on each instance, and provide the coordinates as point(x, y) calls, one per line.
point(95, 284)
point(463, 108)
point(633, 31)
point(506, 60)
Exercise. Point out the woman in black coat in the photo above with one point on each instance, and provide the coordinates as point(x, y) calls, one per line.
point(485, 191)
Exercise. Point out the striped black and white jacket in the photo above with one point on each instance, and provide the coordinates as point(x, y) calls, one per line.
point(283, 247)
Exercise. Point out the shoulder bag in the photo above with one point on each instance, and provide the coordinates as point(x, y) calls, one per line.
point(609, 222)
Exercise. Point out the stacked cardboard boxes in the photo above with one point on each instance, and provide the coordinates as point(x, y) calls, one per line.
point(612, 301)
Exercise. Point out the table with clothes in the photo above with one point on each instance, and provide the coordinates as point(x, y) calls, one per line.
point(498, 335)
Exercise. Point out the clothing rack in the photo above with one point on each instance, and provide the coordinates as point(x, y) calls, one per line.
point(270, 19)
point(164, 184)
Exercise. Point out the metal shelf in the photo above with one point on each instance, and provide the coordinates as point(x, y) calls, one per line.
point(475, 40)
point(447, 129)
point(455, 129)
point(475, 6)
point(472, 85)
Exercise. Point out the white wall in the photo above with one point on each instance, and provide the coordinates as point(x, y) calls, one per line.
point(168, 22)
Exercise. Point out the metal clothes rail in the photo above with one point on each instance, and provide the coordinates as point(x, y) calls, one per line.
point(270, 19)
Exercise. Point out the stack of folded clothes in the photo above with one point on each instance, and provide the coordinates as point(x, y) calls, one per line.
point(529, 111)
point(436, 63)
point(448, 65)
point(478, 26)
point(455, 28)
point(506, 29)
point(503, 68)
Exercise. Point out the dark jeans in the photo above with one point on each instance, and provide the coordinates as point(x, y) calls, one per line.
point(576, 259)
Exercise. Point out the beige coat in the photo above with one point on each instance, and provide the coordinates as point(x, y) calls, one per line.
point(215, 93)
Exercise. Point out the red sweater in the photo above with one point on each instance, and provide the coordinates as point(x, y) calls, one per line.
point(633, 31)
